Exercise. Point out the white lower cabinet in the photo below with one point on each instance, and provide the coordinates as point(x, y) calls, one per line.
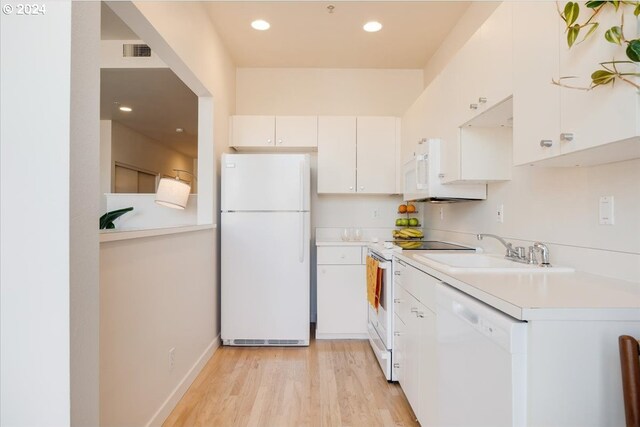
point(341, 293)
point(415, 341)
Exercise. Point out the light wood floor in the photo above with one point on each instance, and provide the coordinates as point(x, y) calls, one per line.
point(329, 383)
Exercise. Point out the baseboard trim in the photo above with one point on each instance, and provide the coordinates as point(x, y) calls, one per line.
point(167, 406)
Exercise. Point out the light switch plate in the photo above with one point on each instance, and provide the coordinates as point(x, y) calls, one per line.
point(606, 210)
point(500, 213)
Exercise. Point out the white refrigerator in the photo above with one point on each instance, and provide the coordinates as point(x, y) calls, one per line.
point(265, 244)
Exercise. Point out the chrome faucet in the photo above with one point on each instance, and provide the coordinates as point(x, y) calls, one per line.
point(518, 254)
point(510, 251)
point(544, 251)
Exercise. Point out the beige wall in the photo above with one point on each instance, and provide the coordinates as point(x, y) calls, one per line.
point(475, 15)
point(156, 294)
point(183, 36)
point(132, 148)
point(326, 91)
point(558, 206)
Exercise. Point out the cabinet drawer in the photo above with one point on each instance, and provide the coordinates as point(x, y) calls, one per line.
point(339, 255)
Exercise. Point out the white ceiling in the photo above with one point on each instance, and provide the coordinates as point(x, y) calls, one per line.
point(161, 102)
point(305, 34)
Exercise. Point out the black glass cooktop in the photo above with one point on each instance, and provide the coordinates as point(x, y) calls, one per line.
point(429, 245)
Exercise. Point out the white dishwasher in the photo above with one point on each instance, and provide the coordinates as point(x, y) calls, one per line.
point(482, 361)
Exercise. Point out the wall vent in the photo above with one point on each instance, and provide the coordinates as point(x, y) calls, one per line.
point(136, 51)
point(267, 343)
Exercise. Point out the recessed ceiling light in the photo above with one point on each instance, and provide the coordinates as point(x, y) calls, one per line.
point(372, 26)
point(260, 25)
point(179, 130)
point(127, 109)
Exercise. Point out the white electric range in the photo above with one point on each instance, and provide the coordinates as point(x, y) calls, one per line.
point(381, 321)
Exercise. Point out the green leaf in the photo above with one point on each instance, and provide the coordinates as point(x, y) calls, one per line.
point(594, 27)
point(572, 34)
point(633, 50)
point(602, 77)
point(616, 4)
point(571, 12)
point(594, 4)
point(614, 35)
point(106, 220)
point(636, 12)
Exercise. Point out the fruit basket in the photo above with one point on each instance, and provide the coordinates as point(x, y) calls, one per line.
point(408, 225)
point(407, 234)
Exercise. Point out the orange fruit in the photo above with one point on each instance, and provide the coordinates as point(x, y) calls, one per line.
point(411, 208)
point(402, 208)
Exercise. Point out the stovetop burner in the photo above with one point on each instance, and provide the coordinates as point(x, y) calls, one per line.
point(429, 245)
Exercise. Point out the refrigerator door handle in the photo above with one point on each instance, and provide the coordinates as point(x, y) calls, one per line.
point(301, 248)
point(301, 185)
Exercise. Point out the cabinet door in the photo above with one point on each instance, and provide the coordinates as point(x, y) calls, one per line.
point(342, 301)
point(469, 70)
point(376, 155)
point(497, 48)
point(604, 114)
point(536, 101)
point(296, 131)
point(336, 154)
point(253, 131)
point(412, 360)
point(428, 407)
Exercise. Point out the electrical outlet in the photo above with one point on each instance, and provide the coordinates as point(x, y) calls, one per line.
point(172, 358)
point(441, 213)
point(606, 210)
point(500, 213)
point(376, 213)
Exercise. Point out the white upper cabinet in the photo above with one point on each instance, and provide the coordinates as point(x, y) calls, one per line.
point(483, 68)
point(296, 131)
point(253, 131)
point(259, 132)
point(336, 154)
point(464, 99)
point(559, 126)
point(358, 155)
point(536, 102)
point(376, 155)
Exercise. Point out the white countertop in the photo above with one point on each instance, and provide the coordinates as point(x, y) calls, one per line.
point(545, 296)
point(117, 234)
point(329, 242)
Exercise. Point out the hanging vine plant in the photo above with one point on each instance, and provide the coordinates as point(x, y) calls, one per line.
point(609, 72)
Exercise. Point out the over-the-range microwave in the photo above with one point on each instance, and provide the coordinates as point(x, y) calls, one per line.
point(422, 182)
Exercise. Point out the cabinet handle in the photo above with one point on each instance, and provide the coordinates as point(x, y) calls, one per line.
point(362, 187)
point(269, 141)
point(397, 273)
point(396, 365)
point(397, 300)
point(280, 141)
point(482, 100)
point(546, 143)
point(414, 309)
point(566, 136)
point(421, 141)
point(420, 314)
point(473, 106)
point(350, 188)
point(396, 334)
point(440, 175)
